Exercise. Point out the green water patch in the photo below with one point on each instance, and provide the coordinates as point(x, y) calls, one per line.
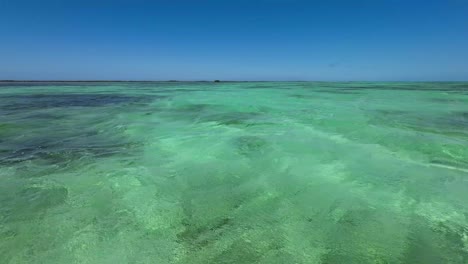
point(444, 87)
point(224, 174)
point(352, 231)
point(261, 86)
point(448, 101)
point(195, 108)
point(453, 123)
point(235, 118)
point(458, 119)
point(242, 251)
point(251, 145)
point(442, 138)
point(63, 129)
point(187, 110)
point(31, 202)
point(201, 236)
point(44, 101)
point(202, 113)
point(188, 89)
point(35, 135)
point(450, 162)
point(436, 242)
point(302, 96)
point(225, 234)
point(9, 129)
point(60, 149)
point(336, 91)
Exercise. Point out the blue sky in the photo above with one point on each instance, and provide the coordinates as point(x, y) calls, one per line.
point(386, 40)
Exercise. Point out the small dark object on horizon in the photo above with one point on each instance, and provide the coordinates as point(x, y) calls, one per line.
point(217, 81)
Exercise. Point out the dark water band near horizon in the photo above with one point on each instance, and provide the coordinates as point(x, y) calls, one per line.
point(238, 172)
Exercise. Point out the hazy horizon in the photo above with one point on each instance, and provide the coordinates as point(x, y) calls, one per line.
point(285, 81)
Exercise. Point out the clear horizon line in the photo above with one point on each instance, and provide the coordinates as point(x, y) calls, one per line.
point(24, 80)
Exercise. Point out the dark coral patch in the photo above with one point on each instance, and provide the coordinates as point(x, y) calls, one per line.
point(44, 101)
point(250, 144)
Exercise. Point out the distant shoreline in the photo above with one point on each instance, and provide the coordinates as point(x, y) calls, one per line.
point(95, 81)
point(204, 81)
point(121, 81)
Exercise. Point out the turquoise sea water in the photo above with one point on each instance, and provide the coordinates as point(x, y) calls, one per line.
point(234, 172)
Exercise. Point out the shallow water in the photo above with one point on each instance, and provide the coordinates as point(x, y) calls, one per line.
point(170, 172)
